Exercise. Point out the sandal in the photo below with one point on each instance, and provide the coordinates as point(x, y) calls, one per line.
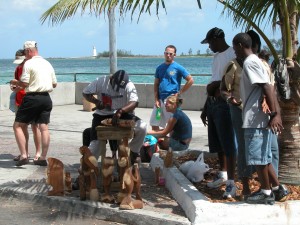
point(22, 162)
point(40, 162)
point(17, 158)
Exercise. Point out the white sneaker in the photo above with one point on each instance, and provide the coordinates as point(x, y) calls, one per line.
point(218, 181)
point(230, 191)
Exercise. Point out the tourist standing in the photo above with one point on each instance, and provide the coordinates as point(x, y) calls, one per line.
point(20, 93)
point(38, 78)
point(216, 114)
point(167, 81)
point(258, 125)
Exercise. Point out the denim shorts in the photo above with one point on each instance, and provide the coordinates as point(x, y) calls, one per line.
point(258, 146)
point(220, 131)
point(177, 145)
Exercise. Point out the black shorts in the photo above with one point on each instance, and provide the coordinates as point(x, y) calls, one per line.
point(35, 108)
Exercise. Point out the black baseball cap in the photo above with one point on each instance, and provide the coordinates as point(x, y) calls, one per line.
point(119, 80)
point(213, 34)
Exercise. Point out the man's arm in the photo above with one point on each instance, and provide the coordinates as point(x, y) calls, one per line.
point(156, 94)
point(189, 82)
point(213, 89)
point(91, 98)
point(275, 120)
point(19, 83)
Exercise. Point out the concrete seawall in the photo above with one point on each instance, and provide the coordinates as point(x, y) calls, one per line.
point(68, 93)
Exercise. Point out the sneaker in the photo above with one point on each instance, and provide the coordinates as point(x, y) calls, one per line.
point(261, 198)
point(218, 181)
point(281, 194)
point(230, 191)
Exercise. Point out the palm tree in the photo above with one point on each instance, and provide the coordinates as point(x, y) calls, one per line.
point(246, 13)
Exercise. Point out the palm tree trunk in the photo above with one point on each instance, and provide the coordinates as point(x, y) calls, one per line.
point(289, 144)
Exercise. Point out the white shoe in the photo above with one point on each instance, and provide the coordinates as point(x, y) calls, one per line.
point(219, 181)
point(230, 191)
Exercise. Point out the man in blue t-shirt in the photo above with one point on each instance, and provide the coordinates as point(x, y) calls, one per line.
point(167, 81)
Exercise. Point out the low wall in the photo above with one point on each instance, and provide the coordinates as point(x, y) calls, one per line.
point(63, 94)
point(193, 99)
point(71, 93)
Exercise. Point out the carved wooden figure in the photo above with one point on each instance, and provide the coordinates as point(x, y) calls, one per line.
point(55, 177)
point(68, 183)
point(131, 181)
point(88, 174)
point(107, 171)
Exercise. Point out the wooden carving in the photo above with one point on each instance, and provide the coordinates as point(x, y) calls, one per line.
point(107, 171)
point(55, 177)
point(68, 182)
point(131, 181)
point(168, 161)
point(121, 123)
point(88, 173)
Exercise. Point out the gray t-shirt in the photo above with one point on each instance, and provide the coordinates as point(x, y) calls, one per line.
point(254, 73)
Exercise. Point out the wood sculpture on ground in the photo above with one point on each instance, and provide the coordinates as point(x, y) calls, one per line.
point(131, 181)
point(88, 173)
point(68, 183)
point(107, 171)
point(55, 177)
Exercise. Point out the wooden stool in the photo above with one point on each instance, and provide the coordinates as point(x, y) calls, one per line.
point(105, 133)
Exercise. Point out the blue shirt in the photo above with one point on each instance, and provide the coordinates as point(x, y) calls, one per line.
point(183, 126)
point(170, 76)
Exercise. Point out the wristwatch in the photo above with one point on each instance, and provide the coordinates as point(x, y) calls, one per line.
point(272, 114)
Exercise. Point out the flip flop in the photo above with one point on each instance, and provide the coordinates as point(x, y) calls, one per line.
point(22, 162)
point(40, 162)
point(17, 158)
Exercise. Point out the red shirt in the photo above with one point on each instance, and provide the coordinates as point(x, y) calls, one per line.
point(20, 94)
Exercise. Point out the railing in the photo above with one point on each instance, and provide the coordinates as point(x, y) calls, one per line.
point(88, 77)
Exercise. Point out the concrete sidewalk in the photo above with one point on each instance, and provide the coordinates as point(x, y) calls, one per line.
point(186, 205)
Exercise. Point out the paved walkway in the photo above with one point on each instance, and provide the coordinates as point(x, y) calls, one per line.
point(190, 207)
point(67, 124)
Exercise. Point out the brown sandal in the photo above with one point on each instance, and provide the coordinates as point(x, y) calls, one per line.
point(17, 158)
point(22, 162)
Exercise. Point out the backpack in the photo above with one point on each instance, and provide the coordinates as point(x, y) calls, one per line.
point(282, 79)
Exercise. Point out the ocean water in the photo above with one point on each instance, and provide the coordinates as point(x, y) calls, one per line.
point(141, 70)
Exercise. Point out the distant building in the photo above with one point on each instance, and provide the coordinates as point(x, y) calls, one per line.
point(94, 51)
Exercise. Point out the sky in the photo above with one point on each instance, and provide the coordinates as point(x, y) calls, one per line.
point(184, 25)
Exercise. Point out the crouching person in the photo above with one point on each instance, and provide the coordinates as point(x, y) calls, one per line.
point(116, 98)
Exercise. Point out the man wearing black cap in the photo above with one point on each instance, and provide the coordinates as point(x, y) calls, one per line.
point(216, 114)
point(116, 98)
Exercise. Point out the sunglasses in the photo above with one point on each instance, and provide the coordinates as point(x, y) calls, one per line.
point(169, 53)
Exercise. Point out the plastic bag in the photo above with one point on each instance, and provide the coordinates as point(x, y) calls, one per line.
point(197, 170)
point(184, 167)
point(149, 148)
point(12, 101)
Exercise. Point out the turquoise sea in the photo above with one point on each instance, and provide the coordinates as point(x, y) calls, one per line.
point(141, 70)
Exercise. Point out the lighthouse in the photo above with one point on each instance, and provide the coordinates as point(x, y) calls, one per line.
point(94, 52)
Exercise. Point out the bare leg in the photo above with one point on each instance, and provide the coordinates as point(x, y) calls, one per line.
point(25, 131)
point(156, 128)
point(21, 138)
point(37, 140)
point(272, 176)
point(45, 140)
point(263, 176)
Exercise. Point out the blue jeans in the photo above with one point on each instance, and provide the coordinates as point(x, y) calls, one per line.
point(258, 146)
point(275, 152)
point(220, 131)
point(243, 169)
point(177, 146)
